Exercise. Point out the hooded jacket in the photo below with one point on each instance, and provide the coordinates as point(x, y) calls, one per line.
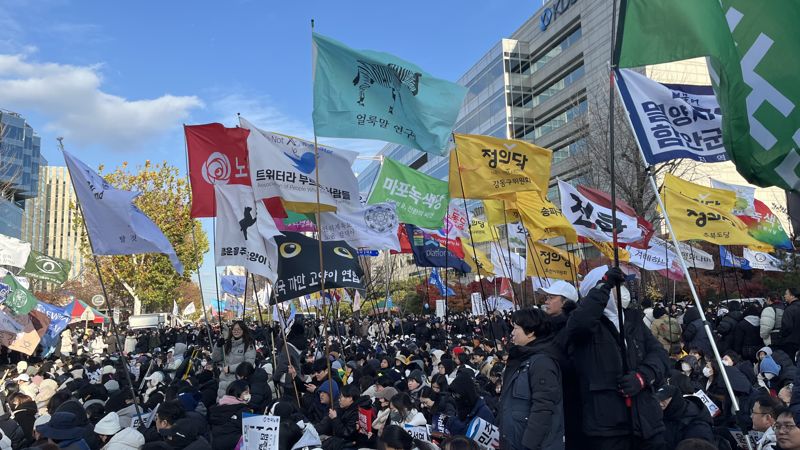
point(746, 337)
point(345, 425)
point(469, 405)
point(686, 418)
point(125, 439)
point(598, 363)
point(532, 414)
point(226, 424)
point(694, 334)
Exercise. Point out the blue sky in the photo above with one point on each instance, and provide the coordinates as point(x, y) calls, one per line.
point(117, 79)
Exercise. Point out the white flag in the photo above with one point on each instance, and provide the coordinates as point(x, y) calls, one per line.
point(245, 232)
point(517, 235)
point(115, 225)
point(594, 221)
point(357, 301)
point(513, 266)
point(762, 260)
point(285, 167)
point(745, 197)
point(695, 257)
point(658, 256)
point(373, 226)
point(190, 309)
point(13, 252)
point(456, 224)
point(175, 310)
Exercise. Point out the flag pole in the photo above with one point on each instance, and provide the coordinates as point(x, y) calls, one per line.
point(611, 154)
point(103, 286)
point(472, 242)
point(194, 244)
point(321, 262)
point(508, 245)
point(685, 268)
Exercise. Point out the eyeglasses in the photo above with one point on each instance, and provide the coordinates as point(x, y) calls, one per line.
point(778, 427)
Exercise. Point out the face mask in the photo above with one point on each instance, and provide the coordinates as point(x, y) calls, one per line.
point(727, 362)
point(686, 368)
point(707, 372)
point(395, 416)
point(246, 398)
point(769, 376)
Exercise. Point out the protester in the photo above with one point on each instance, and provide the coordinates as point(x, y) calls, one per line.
point(532, 411)
point(238, 347)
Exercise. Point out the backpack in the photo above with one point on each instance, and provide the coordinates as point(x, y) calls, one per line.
point(673, 334)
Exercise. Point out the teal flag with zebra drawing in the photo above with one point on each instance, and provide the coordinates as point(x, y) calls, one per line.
point(373, 95)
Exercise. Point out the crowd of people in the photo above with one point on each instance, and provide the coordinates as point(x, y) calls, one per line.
point(575, 372)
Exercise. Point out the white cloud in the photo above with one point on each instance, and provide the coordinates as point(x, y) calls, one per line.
point(71, 99)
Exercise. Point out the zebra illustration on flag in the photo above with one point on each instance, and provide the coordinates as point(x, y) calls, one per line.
point(389, 76)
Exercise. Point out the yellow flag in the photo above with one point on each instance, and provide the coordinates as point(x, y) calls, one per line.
point(495, 209)
point(490, 166)
point(485, 264)
point(546, 261)
point(718, 198)
point(542, 218)
point(695, 220)
point(607, 249)
point(481, 231)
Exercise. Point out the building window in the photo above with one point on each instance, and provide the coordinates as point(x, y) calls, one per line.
point(484, 80)
point(558, 49)
point(560, 120)
point(556, 87)
point(568, 151)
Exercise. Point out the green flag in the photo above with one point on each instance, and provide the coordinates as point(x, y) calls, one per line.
point(753, 53)
point(18, 299)
point(373, 95)
point(421, 199)
point(46, 268)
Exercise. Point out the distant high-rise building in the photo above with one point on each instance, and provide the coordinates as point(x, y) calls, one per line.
point(49, 219)
point(20, 158)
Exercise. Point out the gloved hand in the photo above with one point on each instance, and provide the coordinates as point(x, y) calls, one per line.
point(631, 383)
point(614, 277)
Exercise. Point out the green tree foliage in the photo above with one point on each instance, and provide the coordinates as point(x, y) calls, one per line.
point(150, 278)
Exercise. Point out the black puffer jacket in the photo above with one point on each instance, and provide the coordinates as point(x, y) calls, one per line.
point(598, 363)
point(694, 333)
point(725, 330)
point(226, 425)
point(345, 425)
point(25, 416)
point(686, 418)
point(260, 393)
point(532, 412)
point(747, 338)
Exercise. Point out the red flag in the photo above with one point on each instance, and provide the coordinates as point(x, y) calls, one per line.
point(217, 155)
point(603, 199)
point(505, 288)
point(405, 244)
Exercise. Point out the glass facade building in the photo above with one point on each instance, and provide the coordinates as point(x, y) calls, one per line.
point(20, 159)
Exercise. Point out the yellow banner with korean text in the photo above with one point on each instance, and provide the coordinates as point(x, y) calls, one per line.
point(500, 211)
point(692, 219)
point(487, 166)
point(471, 255)
point(546, 261)
point(542, 218)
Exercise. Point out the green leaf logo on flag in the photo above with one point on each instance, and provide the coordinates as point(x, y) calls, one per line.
point(19, 299)
point(421, 199)
point(47, 268)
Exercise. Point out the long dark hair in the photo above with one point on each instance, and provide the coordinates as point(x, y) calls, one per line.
point(247, 338)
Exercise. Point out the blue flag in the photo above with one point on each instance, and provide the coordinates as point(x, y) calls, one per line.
point(59, 319)
point(728, 259)
point(233, 284)
point(428, 252)
point(436, 280)
point(373, 95)
point(115, 225)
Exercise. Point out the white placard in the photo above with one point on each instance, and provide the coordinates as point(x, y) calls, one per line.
point(260, 432)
